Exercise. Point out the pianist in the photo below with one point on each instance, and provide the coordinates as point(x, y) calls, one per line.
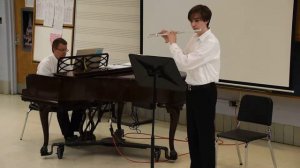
point(48, 67)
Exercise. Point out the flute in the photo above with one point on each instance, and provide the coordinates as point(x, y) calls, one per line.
point(177, 32)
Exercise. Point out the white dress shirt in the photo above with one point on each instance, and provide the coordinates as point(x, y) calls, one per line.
point(200, 59)
point(47, 66)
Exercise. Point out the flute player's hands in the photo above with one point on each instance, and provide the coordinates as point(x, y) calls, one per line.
point(165, 37)
point(172, 37)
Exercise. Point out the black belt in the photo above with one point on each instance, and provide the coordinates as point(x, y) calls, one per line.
point(194, 87)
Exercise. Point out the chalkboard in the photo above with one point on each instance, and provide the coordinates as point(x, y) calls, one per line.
point(43, 44)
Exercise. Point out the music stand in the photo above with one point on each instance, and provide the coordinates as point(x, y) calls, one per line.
point(156, 73)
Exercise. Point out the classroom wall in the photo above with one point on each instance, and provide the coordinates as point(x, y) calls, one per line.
point(4, 74)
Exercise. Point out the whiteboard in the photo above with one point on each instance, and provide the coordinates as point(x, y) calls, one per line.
point(255, 36)
point(42, 44)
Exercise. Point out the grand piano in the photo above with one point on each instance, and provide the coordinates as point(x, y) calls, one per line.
point(87, 89)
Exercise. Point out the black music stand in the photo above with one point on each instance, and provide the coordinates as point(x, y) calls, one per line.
point(157, 73)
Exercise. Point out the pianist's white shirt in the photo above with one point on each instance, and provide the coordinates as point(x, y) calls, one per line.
point(47, 66)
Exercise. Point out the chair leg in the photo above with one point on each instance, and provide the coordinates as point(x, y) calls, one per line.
point(272, 154)
point(246, 155)
point(50, 119)
point(238, 152)
point(25, 122)
point(217, 149)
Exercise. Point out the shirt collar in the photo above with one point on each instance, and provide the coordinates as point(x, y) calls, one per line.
point(53, 56)
point(204, 35)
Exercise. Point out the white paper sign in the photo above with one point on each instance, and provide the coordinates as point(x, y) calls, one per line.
point(29, 3)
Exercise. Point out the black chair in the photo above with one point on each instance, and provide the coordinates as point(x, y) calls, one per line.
point(32, 106)
point(256, 110)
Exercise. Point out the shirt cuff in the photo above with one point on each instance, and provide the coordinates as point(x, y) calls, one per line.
point(173, 46)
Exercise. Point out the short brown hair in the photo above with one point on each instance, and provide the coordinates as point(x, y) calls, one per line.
point(203, 11)
point(58, 41)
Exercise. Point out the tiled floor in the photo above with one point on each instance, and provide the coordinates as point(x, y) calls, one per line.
point(15, 153)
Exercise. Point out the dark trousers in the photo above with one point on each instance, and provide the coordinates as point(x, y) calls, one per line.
point(201, 108)
point(68, 127)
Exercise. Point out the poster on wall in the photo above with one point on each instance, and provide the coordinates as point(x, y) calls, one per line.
point(29, 3)
point(27, 16)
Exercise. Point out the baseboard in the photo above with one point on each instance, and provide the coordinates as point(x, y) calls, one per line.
point(20, 87)
point(4, 87)
point(281, 133)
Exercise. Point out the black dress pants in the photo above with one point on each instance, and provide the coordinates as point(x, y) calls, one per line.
point(201, 108)
point(68, 127)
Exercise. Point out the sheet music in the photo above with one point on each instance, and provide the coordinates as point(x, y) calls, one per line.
point(118, 66)
point(59, 14)
point(127, 64)
point(68, 11)
point(40, 9)
point(49, 13)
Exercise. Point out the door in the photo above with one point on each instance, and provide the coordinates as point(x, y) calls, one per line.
point(24, 54)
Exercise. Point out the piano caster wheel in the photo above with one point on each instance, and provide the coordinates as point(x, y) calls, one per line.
point(60, 151)
point(157, 153)
point(44, 151)
point(173, 155)
point(119, 133)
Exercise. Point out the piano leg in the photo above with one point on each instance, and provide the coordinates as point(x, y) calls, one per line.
point(174, 118)
point(119, 133)
point(44, 112)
